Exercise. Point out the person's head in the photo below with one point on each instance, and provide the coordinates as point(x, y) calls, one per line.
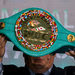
point(39, 64)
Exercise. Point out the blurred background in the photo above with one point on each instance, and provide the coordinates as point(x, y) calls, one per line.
point(63, 11)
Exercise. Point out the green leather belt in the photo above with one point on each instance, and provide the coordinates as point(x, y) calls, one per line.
point(36, 32)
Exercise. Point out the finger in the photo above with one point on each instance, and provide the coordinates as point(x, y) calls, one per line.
point(72, 53)
point(2, 38)
point(68, 53)
point(3, 42)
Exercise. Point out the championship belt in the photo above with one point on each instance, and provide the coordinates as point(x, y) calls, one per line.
point(36, 32)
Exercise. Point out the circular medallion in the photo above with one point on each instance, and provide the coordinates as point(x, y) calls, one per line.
point(36, 30)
